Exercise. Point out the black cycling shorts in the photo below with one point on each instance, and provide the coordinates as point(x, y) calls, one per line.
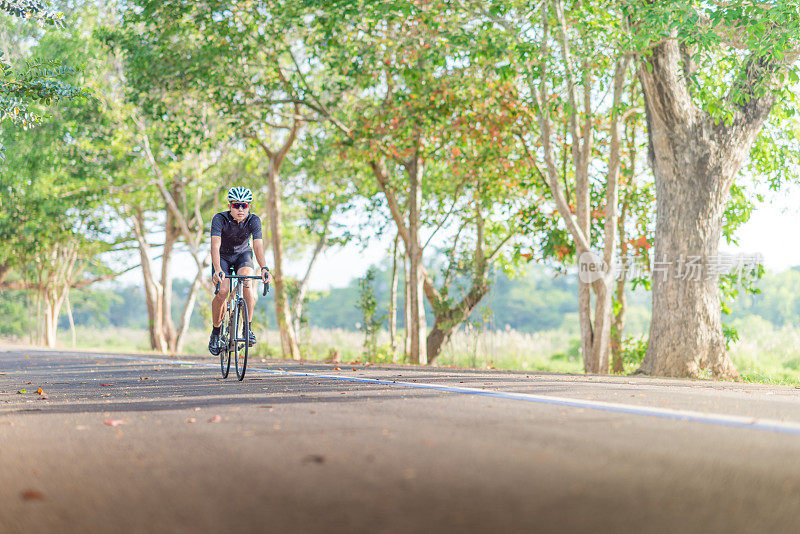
point(231, 264)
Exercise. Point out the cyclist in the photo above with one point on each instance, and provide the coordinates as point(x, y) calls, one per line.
point(230, 251)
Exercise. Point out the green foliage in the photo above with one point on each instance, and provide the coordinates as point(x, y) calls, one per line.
point(368, 305)
point(31, 87)
point(31, 9)
point(18, 315)
point(633, 350)
point(744, 278)
point(730, 46)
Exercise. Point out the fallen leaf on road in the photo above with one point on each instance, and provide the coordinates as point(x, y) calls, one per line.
point(32, 495)
point(144, 378)
point(336, 368)
point(106, 385)
point(114, 422)
point(39, 391)
point(215, 419)
point(354, 368)
point(21, 391)
point(191, 420)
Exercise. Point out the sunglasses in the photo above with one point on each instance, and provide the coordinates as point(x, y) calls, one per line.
point(240, 205)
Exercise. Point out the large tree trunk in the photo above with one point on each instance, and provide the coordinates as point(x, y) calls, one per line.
point(694, 160)
point(288, 341)
point(686, 327)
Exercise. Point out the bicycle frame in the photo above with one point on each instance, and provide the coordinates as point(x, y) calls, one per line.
point(236, 311)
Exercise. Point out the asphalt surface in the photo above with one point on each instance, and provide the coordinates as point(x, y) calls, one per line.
point(134, 443)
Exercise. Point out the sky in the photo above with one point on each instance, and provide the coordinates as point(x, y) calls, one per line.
point(773, 230)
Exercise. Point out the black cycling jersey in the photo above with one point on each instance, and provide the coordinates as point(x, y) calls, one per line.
point(235, 236)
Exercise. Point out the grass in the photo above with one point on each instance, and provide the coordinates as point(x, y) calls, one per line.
point(763, 354)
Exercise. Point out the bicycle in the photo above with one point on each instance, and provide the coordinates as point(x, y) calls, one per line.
point(230, 338)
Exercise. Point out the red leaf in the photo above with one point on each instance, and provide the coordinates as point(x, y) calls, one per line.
point(114, 422)
point(336, 368)
point(215, 419)
point(32, 495)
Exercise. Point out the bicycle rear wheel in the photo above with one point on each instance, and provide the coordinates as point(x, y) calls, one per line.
point(241, 339)
point(225, 353)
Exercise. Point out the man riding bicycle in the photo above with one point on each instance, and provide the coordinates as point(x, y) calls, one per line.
point(231, 252)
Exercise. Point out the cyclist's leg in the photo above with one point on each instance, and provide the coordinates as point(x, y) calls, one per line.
point(244, 267)
point(218, 304)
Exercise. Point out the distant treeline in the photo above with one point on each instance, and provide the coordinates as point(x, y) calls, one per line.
point(535, 301)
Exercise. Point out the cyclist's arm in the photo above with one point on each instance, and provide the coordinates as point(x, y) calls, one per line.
point(258, 249)
point(216, 241)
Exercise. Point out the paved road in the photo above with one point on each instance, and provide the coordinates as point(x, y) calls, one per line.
point(302, 447)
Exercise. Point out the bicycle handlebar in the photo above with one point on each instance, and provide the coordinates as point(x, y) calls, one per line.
point(244, 277)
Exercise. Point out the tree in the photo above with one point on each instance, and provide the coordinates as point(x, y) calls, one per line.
point(569, 66)
point(31, 86)
point(51, 211)
point(700, 134)
point(421, 100)
point(52, 204)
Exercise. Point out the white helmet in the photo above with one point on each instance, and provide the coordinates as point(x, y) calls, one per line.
point(239, 194)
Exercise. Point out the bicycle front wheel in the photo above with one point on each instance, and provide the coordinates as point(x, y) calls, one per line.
point(225, 353)
point(241, 339)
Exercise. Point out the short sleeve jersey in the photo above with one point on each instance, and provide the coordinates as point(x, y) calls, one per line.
point(235, 236)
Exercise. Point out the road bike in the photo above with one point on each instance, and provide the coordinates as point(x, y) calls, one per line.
point(235, 334)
